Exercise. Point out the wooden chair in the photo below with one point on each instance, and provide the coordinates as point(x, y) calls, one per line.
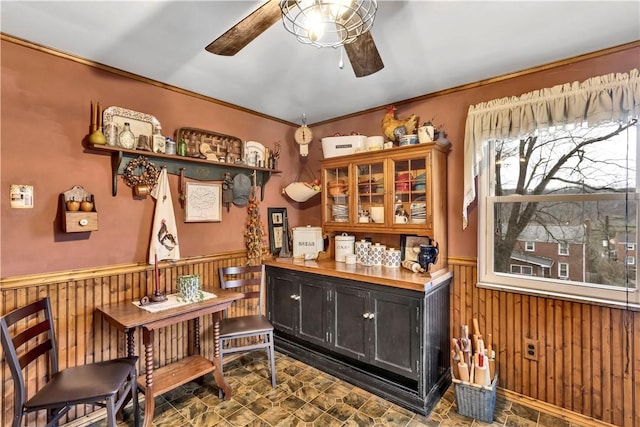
point(252, 279)
point(27, 335)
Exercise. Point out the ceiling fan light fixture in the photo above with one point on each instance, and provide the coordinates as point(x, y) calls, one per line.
point(328, 23)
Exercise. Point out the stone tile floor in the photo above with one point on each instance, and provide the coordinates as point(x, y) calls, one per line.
point(308, 397)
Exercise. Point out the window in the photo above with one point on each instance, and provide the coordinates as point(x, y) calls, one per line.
point(563, 248)
point(522, 269)
point(571, 188)
point(631, 246)
point(563, 270)
point(530, 246)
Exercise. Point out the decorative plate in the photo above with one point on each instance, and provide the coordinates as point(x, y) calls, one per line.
point(253, 153)
point(140, 123)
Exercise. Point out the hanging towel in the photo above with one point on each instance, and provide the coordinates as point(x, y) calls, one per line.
point(164, 235)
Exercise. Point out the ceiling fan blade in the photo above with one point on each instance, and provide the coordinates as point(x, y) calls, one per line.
point(363, 55)
point(243, 33)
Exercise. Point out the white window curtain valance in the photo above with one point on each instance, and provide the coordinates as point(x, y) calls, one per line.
point(611, 97)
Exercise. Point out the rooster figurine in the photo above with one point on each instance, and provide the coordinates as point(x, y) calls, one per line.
point(392, 128)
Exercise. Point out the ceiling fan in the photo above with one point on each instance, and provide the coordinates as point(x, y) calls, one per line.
point(363, 53)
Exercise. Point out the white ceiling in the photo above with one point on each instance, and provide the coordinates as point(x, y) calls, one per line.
point(426, 46)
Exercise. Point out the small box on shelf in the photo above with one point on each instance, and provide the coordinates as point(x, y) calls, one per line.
point(78, 211)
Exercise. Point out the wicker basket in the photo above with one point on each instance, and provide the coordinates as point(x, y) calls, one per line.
point(476, 401)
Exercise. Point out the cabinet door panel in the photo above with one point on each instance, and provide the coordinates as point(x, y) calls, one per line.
point(396, 335)
point(313, 312)
point(351, 335)
point(282, 302)
point(370, 193)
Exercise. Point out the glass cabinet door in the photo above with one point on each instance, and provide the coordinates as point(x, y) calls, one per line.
point(411, 193)
point(370, 195)
point(336, 194)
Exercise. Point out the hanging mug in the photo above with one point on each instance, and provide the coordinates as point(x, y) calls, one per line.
point(142, 190)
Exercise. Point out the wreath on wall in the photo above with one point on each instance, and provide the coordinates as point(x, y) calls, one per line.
point(149, 175)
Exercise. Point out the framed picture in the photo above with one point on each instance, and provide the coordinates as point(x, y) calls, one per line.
point(203, 202)
point(277, 217)
point(410, 246)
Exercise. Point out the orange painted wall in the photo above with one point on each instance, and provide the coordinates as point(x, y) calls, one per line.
point(450, 110)
point(46, 113)
point(45, 116)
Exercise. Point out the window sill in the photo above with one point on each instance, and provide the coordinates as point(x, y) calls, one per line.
point(560, 296)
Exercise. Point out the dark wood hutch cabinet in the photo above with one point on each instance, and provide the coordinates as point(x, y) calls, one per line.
point(386, 335)
point(383, 329)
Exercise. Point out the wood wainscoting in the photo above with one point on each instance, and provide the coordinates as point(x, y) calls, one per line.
point(84, 337)
point(588, 355)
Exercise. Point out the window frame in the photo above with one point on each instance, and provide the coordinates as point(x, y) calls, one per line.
point(564, 245)
point(540, 286)
point(561, 266)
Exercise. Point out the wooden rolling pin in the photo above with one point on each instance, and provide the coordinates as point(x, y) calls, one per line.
point(455, 360)
point(463, 368)
point(481, 372)
point(492, 357)
point(413, 266)
point(476, 335)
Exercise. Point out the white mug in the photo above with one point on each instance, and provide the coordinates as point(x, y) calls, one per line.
point(377, 214)
point(401, 219)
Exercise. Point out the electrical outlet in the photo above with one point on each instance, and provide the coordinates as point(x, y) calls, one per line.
point(531, 349)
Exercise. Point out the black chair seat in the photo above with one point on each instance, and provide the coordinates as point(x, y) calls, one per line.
point(29, 345)
point(245, 325)
point(81, 384)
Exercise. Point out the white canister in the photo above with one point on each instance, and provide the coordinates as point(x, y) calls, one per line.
point(307, 242)
point(344, 246)
point(367, 259)
point(377, 253)
point(392, 258)
point(375, 143)
point(350, 259)
point(362, 250)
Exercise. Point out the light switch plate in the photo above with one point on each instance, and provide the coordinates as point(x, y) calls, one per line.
point(21, 196)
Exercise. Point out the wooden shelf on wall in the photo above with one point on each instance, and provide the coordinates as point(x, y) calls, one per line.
point(194, 168)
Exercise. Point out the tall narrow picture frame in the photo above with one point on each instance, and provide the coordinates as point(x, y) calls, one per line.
point(203, 202)
point(277, 217)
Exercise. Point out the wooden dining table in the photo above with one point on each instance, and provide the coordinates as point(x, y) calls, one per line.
point(128, 316)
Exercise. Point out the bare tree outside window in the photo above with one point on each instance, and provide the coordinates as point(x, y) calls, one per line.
point(570, 194)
